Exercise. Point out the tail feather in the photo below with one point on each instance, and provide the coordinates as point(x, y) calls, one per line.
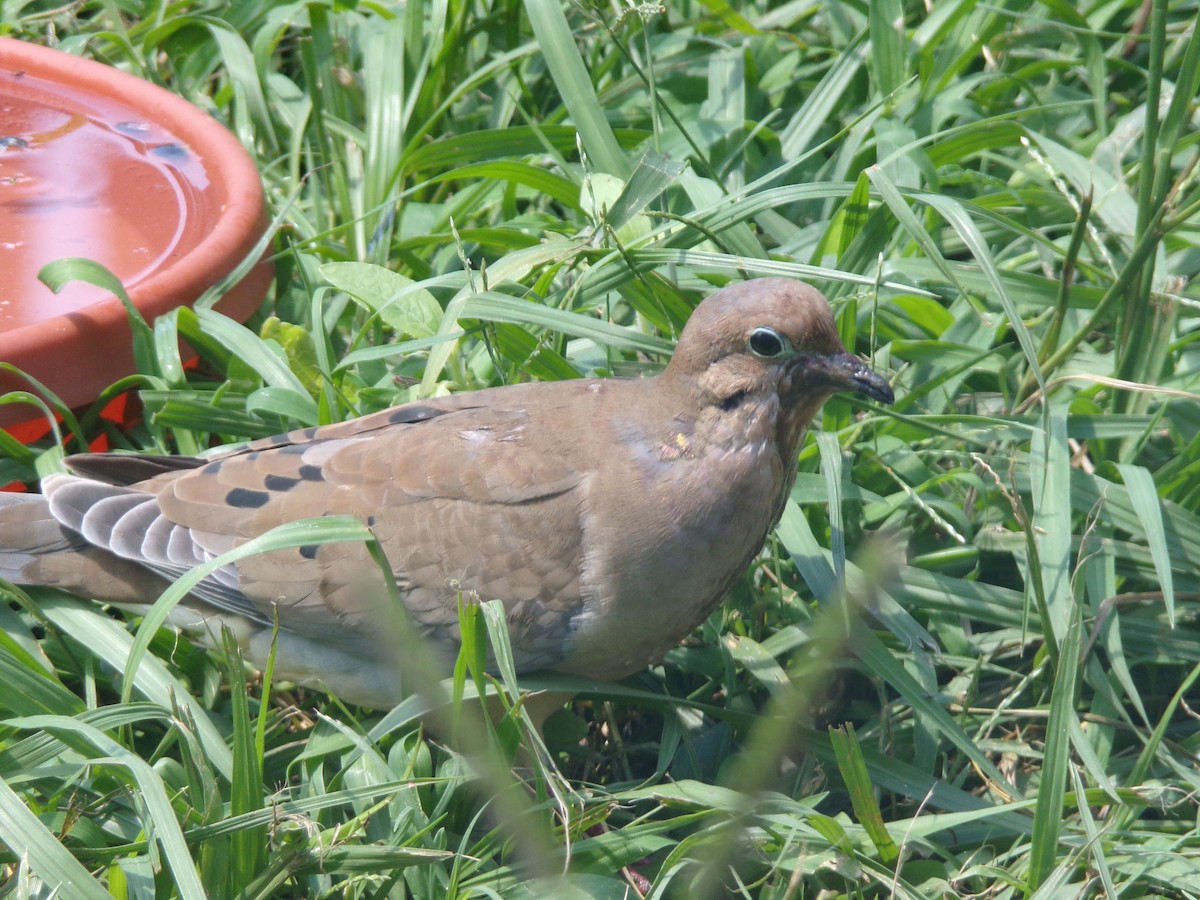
point(27, 529)
point(37, 549)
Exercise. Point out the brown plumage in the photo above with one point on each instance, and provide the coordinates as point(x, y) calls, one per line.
point(610, 516)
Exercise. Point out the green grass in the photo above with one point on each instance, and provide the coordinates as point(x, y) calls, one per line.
point(986, 687)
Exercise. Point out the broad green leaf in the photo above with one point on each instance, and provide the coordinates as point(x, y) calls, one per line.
point(409, 309)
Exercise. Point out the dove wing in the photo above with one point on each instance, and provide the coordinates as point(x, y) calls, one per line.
point(459, 501)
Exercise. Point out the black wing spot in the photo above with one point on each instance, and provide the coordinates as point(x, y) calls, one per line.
point(309, 551)
point(310, 473)
point(280, 483)
point(404, 415)
point(243, 498)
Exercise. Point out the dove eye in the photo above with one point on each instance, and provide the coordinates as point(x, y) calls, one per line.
point(767, 342)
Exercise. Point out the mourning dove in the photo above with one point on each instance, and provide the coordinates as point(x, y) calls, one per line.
point(609, 515)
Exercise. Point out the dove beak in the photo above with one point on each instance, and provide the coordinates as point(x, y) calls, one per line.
point(849, 373)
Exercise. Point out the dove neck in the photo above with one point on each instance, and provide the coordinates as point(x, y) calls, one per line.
point(724, 414)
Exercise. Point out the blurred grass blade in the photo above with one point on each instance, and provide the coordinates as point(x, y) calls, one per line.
point(247, 86)
point(809, 120)
point(1154, 742)
point(862, 793)
point(385, 67)
point(807, 553)
point(58, 274)
point(886, 24)
point(831, 469)
point(493, 307)
point(652, 175)
point(847, 223)
point(30, 689)
point(1143, 496)
point(1056, 757)
point(162, 825)
point(248, 846)
point(110, 642)
point(304, 532)
point(956, 215)
point(880, 661)
point(1050, 489)
point(1095, 844)
point(574, 84)
point(31, 841)
point(286, 403)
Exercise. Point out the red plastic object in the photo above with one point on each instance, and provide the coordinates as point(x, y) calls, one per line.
point(96, 163)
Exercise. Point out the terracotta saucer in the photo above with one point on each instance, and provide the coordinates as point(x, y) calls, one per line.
point(96, 163)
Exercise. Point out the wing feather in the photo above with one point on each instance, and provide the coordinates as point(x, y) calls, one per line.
point(462, 505)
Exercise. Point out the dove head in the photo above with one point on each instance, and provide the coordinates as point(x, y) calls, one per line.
point(767, 341)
